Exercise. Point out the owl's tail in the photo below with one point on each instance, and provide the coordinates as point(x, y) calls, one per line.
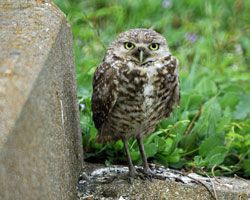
point(104, 135)
point(103, 139)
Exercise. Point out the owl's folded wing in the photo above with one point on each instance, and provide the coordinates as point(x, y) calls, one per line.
point(174, 84)
point(104, 93)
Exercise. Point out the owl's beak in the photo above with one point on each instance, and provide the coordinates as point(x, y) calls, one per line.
point(140, 54)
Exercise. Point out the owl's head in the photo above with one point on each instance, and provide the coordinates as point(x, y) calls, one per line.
point(140, 46)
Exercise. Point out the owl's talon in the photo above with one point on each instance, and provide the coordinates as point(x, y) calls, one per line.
point(131, 176)
point(149, 174)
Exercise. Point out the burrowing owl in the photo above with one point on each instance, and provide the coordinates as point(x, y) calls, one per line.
point(135, 86)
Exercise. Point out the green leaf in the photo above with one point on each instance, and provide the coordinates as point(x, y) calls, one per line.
point(135, 155)
point(211, 114)
point(151, 137)
point(209, 144)
point(246, 166)
point(243, 108)
point(216, 156)
point(199, 161)
point(161, 144)
point(119, 145)
point(247, 140)
point(150, 149)
point(191, 100)
point(179, 129)
point(224, 120)
point(230, 99)
point(206, 87)
point(168, 146)
point(175, 156)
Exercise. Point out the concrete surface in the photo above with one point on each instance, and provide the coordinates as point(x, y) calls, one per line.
point(40, 140)
point(108, 183)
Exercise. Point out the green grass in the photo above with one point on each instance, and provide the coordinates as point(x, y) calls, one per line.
point(210, 130)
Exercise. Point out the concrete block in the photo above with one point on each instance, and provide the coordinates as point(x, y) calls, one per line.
point(40, 140)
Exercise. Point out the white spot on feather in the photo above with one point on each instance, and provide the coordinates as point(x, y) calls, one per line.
point(149, 87)
point(130, 66)
point(151, 72)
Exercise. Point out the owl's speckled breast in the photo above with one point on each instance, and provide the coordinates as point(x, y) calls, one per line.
point(144, 93)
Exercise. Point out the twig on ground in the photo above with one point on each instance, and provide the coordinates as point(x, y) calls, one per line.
point(236, 176)
point(214, 191)
point(200, 182)
point(212, 171)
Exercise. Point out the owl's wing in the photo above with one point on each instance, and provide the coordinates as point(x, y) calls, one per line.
point(176, 91)
point(175, 85)
point(104, 93)
point(176, 95)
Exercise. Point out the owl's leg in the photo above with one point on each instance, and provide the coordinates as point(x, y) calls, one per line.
point(132, 170)
point(146, 169)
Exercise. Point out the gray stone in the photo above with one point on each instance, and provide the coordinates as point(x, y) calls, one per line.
point(109, 183)
point(40, 140)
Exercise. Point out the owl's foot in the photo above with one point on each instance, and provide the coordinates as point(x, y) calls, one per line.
point(149, 174)
point(132, 172)
point(131, 176)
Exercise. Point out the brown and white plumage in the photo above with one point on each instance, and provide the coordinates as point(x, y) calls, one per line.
point(134, 88)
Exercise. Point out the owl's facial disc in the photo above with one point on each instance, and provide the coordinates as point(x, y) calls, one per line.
point(141, 46)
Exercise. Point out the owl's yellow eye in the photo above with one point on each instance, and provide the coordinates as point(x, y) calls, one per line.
point(154, 46)
point(129, 45)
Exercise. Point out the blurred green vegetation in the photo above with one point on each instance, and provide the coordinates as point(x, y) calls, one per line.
point(210, 130)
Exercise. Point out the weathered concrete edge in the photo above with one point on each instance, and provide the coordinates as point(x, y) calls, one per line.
point(23, 59)
point(64, 24)
point(67, 26)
